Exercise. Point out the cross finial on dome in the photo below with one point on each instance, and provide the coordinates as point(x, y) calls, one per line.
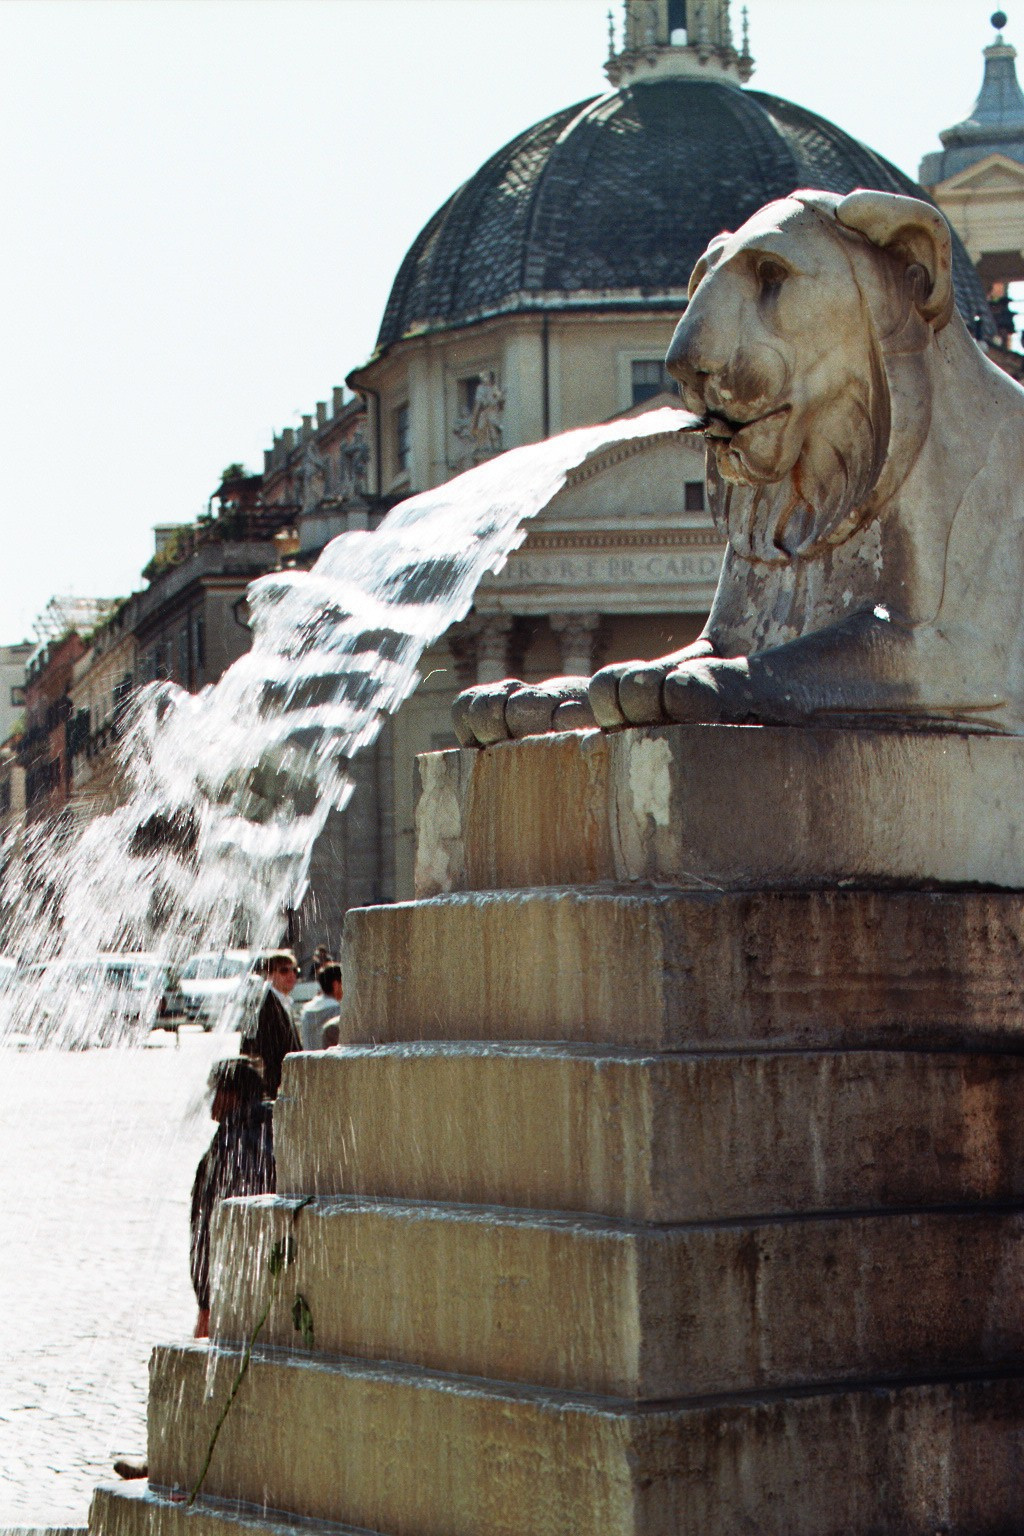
point(678, 37)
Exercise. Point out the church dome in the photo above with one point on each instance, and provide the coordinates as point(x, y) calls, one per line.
point(609, 203)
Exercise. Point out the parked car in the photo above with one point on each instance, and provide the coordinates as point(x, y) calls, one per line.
point(209, 984)
point(91, 1001)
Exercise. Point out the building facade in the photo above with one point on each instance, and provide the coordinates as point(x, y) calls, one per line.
point(13, 662)
point(102, 684)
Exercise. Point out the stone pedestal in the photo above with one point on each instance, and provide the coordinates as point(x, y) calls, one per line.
point(671, 1179)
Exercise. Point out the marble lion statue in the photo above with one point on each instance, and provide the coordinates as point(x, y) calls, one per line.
point(865, 462)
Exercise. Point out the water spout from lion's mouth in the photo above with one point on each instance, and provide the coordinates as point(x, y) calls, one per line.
point(692, 422)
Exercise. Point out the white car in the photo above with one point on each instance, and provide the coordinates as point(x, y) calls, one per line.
point(209, 984)
point(93, 1001)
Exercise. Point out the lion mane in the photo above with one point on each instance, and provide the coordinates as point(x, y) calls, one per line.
point(829, 493)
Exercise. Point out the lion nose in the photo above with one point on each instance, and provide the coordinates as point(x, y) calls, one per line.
point(686, 364)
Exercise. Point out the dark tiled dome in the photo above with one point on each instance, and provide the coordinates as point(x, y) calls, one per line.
point(610, 203)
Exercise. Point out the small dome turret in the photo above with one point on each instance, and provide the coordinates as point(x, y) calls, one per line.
point(996, 122)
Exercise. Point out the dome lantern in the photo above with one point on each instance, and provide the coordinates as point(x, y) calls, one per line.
point(663, 38)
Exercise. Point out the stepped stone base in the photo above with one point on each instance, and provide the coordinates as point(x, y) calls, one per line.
point(134, 1508)
point(418, 1454)
point(724, 806)
point(630, 1310)
point(653, 1138)
point(669, 970)
point(687, 1201)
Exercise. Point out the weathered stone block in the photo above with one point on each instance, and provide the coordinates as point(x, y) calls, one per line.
point(673, 970)
point(736, 807)
point(136, 1509)
point(649, 1137)
point(414, 1453)
point(640, 1312)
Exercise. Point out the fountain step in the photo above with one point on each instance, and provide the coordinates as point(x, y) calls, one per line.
point(416, 1453)
point(653, 1137)
point(139, 1510)
point(671, 970)
point(736, 807)
point(642, 1312)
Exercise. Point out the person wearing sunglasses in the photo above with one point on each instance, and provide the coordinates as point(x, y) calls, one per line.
point(274, 1035)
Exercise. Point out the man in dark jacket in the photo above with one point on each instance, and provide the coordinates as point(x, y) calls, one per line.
point(274, 1035)
point(239, 1161)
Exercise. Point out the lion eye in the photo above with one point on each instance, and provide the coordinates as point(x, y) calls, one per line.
point(771, 274)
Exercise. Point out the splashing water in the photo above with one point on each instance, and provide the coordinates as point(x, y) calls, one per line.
point(230, 788)
point(228, 792)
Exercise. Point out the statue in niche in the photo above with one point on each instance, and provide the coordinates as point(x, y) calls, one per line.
point(865, 462)
point(354, 460)
point(478, 435)
point(312, 478)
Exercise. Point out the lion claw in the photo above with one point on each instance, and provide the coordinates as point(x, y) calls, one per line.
point(603, 694)
point(494, 712)
point(478, 714)
point(640, 688)
point(709, 693)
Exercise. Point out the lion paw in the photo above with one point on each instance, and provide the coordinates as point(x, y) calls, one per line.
point(629, 693)
point(632, 692)
point(511, 709)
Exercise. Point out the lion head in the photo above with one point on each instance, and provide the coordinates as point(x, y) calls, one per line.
point(803, 349)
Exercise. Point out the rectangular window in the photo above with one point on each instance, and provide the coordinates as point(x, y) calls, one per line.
point(649, 379)
point(694, 494)
point(159, 666)
point(17, 695)
point(183, 669)
point(402, 439)
point(199, 643)
point(78, 731)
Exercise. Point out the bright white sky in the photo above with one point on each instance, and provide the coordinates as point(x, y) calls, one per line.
point(207, 201)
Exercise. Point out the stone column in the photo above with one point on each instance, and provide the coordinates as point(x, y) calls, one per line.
point(492, 648)
point(576, 633)
point(461, 642)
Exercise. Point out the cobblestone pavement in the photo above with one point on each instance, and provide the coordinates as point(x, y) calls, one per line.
point(97, 1153)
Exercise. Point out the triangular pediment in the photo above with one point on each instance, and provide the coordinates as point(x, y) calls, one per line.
point(639, 480)
point(996, 173)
